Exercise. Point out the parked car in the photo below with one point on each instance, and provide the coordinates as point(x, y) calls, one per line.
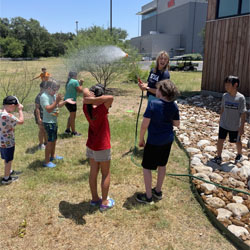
point(188, 62)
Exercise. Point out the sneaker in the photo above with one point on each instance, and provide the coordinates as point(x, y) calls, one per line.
point(13, 172)
point(9, 180)
point(95, 203)
point(142, 198)
point(238, 158)
point(111, 203)
point(57, 157)
point(157, 195)
point(217, 160)
point(67, 132)
point(41, 146)
point(75, 133)
point(49, 165)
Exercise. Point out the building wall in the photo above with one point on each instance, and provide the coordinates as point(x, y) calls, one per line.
point(185, 20)
point(227, 51)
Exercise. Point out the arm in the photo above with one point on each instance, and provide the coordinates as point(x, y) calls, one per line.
point(58, 102)
point(79, 89)
point(242, 123)
point(176, 123)
point(37, 111)
point(107, 100)
point(35, 78)
point(144, 127)
point(20, 111)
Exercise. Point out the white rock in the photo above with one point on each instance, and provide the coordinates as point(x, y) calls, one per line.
point(244, 141)
point(237, 209)
point(214, 138)
point(208, 155)
point(244, 171)
point(202, 175)
point(246, 163)
point(237, 199)
point(223, 213)
point(210, 149)
point(238, 231)
point(195, 161)
point(225, 156)
point(235, 182)
point(203, 169)
point(215, 177)
point(215, 201)
point(193, 150)
point(198, 156)
point(202, 143)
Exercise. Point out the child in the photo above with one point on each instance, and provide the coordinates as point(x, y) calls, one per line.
point(232, 118)
point(95, 108)
point(159, 73)
point(38, 113)
point(72, 87)
point(50, 103)
point(159, 118)
point(44, 75)
point(7, 124)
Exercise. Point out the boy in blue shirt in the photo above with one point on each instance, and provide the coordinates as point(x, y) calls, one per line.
point(159, 118)
point(232, 118)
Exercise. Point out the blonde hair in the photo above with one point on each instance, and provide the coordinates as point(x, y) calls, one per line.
point(161, 53)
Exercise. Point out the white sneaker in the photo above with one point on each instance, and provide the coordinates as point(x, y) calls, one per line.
point(41, 146)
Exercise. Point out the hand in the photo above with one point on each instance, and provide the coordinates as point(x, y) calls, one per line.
point(143, 86)
point(58, 98)
point(81, 82)
point(142, 143)
point(70, 101)
point(20, 106)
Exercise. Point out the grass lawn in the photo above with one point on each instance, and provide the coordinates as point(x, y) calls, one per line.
point(54, 203)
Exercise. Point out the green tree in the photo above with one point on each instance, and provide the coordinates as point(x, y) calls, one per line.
point(4, 27)
point(10, 47)
point(97, 51)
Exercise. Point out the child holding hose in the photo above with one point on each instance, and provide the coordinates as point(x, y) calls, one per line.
point(159, 73)
point(161, 115)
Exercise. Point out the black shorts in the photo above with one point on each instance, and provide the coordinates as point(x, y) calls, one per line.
point(155, 156)
point(233, 135)
point(7, 154)
point(71, 107)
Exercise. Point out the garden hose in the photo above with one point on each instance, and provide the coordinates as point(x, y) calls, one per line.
point(181, 146)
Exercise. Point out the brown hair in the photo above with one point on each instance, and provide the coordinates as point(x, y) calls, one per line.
point(161, 53)
point(168, 89)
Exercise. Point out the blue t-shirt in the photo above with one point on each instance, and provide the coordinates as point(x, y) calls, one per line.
point(153, 78)
point(162, 114)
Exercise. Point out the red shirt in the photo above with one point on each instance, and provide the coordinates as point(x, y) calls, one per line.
point(99, 132)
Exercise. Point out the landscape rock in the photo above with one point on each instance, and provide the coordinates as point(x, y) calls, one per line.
point(237, 209)
point(237, 230)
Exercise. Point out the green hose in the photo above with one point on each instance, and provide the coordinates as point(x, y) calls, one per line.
point(181, 146)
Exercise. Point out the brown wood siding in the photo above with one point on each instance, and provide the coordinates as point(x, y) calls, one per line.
point(211, 9)
point(227, 51)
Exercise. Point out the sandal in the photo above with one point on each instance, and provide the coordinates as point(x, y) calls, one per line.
point(111, 203)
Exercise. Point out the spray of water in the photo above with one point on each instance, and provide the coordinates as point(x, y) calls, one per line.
point(95, 56)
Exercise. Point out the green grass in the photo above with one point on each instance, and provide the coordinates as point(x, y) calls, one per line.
point(55, 202)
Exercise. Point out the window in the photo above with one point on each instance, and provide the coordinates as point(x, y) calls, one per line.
point(227, 8)
point(245, 7)
point(148, 15)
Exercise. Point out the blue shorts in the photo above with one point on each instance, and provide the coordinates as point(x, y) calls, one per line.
point(7, 154)
point(51, 131)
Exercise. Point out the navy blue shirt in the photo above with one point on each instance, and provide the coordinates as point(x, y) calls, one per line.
point(162, 114)
point(153, 78)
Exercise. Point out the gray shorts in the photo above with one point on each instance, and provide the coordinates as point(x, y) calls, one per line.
point(102, 155)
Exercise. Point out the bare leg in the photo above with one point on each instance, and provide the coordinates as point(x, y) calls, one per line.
point(94, 170)
point(53, 149)
point(48, 151)
point(239, 147)
point(148, 182)
point(68, 123)
point(7, 168)
point(72, 118)
point(105, 169)
point(220, 146)
point(160, 178)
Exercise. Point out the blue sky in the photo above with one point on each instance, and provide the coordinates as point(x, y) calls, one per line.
point(61, 15)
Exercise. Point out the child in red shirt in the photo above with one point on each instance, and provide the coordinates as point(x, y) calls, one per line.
point(95, 108)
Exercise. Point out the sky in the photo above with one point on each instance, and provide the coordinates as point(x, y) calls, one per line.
point(61, 15)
